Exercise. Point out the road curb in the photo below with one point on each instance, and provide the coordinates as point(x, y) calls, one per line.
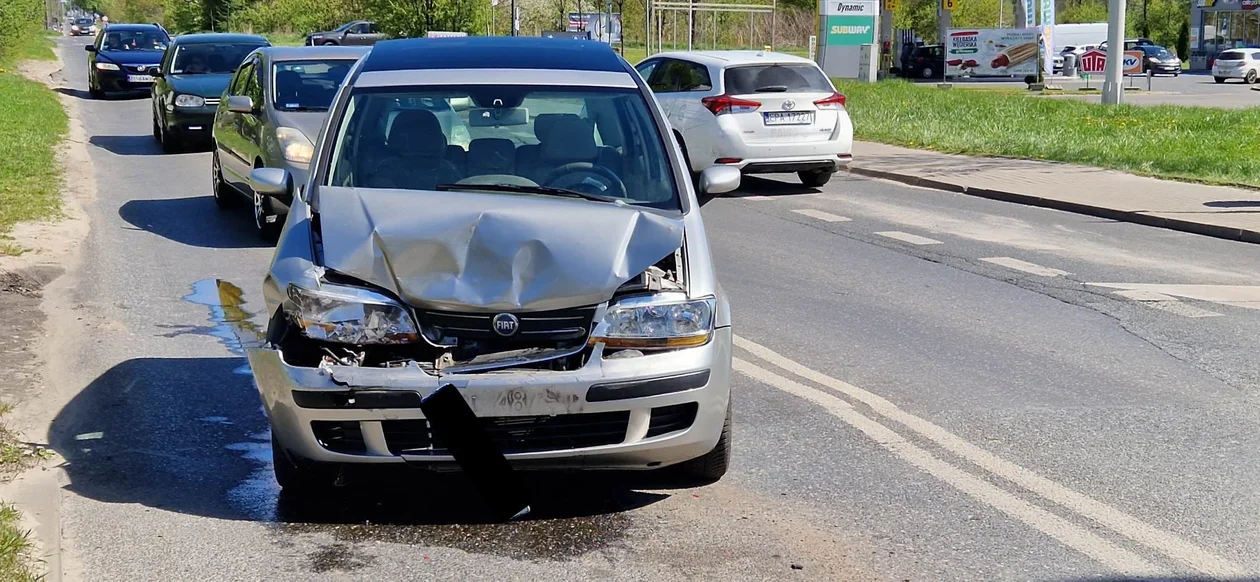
point(1212, 230)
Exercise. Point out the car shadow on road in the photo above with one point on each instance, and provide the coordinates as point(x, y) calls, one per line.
point(127, 145)
point(1233, 204)
point(187, 435)
point(83, 94)
point(194, 221)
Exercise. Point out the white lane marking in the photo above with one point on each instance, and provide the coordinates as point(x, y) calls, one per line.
point(906, 237)
point(757, 198)
point(820, 215)
point(1247, 296)
point(1179, 308)
point(1144, 295)
point(1128, 526)
point(1067, 533)
point(1025, 266)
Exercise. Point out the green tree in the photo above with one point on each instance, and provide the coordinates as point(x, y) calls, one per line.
point(1083, 12)
point(417, 17)
point(19, 21)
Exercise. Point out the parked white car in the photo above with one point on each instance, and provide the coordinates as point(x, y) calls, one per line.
point(1237, 64)
point(761, 112)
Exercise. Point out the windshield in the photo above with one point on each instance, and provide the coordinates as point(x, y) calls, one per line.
point(344, 27)
point(135, 40)
point(596, 141)
point(84, 22)
point(792, 78)
point(308, 85)
point(209, 58)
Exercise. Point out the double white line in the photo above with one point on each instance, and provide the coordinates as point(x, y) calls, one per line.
point(1074, 536)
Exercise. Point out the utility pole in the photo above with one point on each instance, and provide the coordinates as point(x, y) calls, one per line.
point(513, 16)
point(943, 21)
point(1113, 87)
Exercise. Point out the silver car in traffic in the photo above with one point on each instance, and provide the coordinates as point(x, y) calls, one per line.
point(543, 254)
point(270, 117)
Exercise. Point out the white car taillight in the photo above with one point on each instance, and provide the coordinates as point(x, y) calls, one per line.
point(835, 101)
point(719, 104)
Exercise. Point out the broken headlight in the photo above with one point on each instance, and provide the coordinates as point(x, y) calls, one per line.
point(350, 315)
point(664, 320)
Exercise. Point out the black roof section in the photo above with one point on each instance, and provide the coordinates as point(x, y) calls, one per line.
point(220, 37)
point(495, 52)
point(126, 27)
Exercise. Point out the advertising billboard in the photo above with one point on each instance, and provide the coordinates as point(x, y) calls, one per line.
point(849, 23)
point(994, 52)
point(601, 26)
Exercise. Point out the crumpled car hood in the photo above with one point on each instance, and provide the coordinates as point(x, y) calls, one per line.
point(465, 251)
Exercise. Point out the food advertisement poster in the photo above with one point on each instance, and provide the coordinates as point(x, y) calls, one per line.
point(995, 52)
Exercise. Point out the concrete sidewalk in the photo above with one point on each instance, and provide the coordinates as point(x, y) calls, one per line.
point(1230, 213)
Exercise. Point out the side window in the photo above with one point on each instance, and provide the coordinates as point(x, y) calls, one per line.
point(359, 29)
point(1255, 56)
point(253, 83)
point(645, 69)
point(661, 80)
point(678, 76)
point(372, 28)
point(240, 79)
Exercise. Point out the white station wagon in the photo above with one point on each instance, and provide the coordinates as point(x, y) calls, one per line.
point(761, 112)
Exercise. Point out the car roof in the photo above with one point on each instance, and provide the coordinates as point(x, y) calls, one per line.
point(206, 37)
point(126, 27)
point(484, 52)
point(302, 53)
point(733, 58)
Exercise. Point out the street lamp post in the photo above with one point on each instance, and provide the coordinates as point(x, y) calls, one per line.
point(1113, 87)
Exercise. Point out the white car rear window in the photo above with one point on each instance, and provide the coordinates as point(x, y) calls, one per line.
point(778, 78)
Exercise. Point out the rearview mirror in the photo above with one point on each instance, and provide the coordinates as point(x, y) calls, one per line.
point(719, 180)
point(269, 181)
point(90, 48)
point(498, 116)
point(240, 104)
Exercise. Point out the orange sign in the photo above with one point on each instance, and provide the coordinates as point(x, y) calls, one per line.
point(1133, 62)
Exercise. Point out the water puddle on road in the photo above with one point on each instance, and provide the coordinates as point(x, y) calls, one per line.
point(406, 506)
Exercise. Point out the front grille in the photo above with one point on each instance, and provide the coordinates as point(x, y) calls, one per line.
point(212, 100)
point(535, 326)
point(667, 419)
point(339, 436)
point(517, 434)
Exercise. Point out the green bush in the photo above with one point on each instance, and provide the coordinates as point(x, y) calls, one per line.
point(300, 16)
point(19, 21)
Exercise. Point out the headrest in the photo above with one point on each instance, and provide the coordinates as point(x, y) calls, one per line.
point(569, 138)
point(417, 132)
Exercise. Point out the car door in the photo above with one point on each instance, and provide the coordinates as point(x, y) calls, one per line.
point(356, 35)
point(374, 34)
point(252, 126)
point(161, 85)
point(227, 130)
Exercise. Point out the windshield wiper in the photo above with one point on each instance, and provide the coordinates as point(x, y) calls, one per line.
point(772, 89)
point(522, 189)
point(304, 108)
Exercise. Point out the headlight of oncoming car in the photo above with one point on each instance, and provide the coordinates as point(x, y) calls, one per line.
point(107, 66)
point(189, 101)
point(296, 147)
point(665, 320)
point(349, 315)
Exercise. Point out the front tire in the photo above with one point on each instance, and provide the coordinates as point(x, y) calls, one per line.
point(330, 43)
point(171, 144)
point(713, 465)
point(814, 179)
point(305, 478)
point(224, 196)
point(93, 91)
point(1250, 79)
point(927, 72)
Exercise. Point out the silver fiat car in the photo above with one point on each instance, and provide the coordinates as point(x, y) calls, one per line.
point(542, 253)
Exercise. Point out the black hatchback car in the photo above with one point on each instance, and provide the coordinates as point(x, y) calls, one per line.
point(190, 80)
point(123, 57)
point(924, 62)
point(1159, 60)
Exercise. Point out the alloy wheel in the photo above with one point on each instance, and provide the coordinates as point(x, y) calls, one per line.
point(259, 218)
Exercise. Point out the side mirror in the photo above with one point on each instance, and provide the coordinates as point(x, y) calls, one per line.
point(270, 181)
point(90, 48)
point(719, 180)
point(240, 104)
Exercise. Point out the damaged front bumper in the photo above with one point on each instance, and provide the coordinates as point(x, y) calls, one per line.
point(640, 412)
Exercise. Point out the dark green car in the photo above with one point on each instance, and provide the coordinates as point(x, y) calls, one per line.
point(189, 82)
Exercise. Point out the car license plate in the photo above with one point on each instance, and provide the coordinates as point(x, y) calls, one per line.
point(139, 78)
point(788, 117)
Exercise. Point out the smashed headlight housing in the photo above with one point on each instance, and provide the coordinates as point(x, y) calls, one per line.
point(660, 321)
point(350, 315)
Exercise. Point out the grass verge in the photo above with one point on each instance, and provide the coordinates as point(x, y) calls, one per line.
point(34, 123)
point(1182, 143)
point(15, 548)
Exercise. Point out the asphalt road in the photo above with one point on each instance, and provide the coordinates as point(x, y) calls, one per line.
point(931, 387)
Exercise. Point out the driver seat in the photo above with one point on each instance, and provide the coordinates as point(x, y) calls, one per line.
point(569, 139)
point(415, 154)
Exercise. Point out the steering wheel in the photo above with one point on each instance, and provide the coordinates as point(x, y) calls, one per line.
point(565, 177)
